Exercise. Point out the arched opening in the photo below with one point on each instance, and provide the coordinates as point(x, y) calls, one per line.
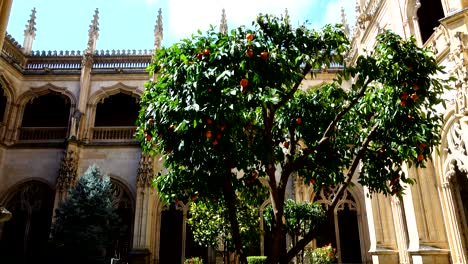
point(124, 204)
point(3, 104)
point(24, 238)
point(170, 250)
point(342, 232)
point(116, 117)
point(46, 117)
point(428, 16)
point(460, 185)
point(177, 246)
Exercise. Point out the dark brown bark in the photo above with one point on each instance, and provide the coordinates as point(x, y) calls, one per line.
point(230, 198)
point(331, 208)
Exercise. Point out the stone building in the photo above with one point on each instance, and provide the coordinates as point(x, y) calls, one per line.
point(62, 111)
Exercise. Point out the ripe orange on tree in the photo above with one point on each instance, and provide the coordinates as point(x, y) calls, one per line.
point(249, 53)
point(244, 82)
point(264, 55)
point(208, 134)
point(250, 37)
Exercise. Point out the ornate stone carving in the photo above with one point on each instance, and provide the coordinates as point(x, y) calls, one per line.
point(145, 174)
point(87, 60)
point(223, 28)
point(325, 196)
point(67, 171)
point(158, 31)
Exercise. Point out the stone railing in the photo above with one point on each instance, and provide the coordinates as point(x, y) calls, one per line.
point(40, 62)
point(113, 134)
point(42, 134)
point(53, 63)
point(121, 62)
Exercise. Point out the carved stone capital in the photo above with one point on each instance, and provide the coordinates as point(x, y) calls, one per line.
point(87, 60)
point(67, 171)
point(145, 173)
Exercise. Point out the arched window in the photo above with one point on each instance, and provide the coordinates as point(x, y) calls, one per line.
point(428, 16)
point(343, 231)
point(177, 240)
point(25, 236)
point(3, 103)
point(46, 117)
point(117, 110)
point(125, 207)
point(115, 118)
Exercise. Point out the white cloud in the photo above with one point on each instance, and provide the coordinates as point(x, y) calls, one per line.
point(332, 13)
point(184, 17)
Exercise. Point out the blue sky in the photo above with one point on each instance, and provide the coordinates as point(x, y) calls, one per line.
point(129, 24)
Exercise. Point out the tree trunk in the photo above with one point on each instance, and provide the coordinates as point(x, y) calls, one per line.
point(230, 198)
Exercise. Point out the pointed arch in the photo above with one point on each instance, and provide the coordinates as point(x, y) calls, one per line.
point(452, 163)
point(63, 116)
point(107, 91)
point(6, 105)
point(46, 89)
point(124, 202)
point(25, 236)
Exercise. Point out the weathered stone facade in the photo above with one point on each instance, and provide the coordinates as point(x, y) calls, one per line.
point(42, 156)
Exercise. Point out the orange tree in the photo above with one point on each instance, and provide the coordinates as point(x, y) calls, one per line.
point(229, 111)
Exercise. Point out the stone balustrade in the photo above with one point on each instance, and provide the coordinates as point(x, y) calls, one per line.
point(113, 134)
point(40, 134)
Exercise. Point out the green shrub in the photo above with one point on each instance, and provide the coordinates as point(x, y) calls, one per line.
point(322, 255)
point(196, 260)
point(256, 260)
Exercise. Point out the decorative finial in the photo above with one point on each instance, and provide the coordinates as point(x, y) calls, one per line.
point(223, 28)
point(286, 17)
point(344, 22)
point(158, 31)
point(31, 26)
point(93, 32)
point(30, 33)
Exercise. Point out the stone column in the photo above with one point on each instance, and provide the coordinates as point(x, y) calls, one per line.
point(5, 7)
point(401, 231)
point(383, 246)
point(145, 233)
point(457, 250)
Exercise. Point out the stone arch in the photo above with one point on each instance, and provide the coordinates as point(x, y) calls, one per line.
point(38, 91)
point(124, 203)
point(107, 91)
point(262, 226)
point(350, 205)
point(25, 236)
point(453, 161)
point(100, 95)
point(9, 106)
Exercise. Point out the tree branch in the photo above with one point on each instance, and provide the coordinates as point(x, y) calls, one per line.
point(349, 176)
point(326, 135)
point(352, 169)
point(287, 98)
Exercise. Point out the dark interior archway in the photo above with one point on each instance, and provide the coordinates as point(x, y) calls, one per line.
point(3, 103)
point(350, 245)
point(428, 16)
point(461, 192)
point(124, 205)
point(24, 237)
point(117, 110)
point(49, 110)
point(170, 250)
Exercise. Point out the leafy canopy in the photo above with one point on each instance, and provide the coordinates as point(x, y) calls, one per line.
point(230, 114)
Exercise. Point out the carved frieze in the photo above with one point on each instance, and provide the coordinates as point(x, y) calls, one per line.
point(145, 173)
point(67, 171)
